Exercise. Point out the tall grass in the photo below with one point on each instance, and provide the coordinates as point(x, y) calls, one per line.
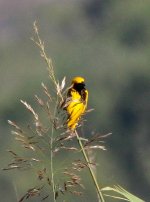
point(44, 140)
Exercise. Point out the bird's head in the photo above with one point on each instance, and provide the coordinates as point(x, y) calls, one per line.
point(78, 83)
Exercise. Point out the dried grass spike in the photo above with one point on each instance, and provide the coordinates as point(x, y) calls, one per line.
point(12, 123)
point(39, 100)
point(30, 109)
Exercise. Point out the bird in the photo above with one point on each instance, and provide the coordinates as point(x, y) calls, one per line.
point(76, 102)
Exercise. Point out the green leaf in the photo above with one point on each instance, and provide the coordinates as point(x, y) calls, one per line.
point(127, 196)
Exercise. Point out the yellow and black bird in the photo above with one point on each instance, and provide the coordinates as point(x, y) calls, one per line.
point(76, 102)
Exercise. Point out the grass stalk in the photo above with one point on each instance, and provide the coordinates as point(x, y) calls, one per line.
point(51, 165)
point(51, 154)
point(50, 68)
point(90, 168)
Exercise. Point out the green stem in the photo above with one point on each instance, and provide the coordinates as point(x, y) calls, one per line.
point(52, 167)
point(90, 168)
point(51, 154)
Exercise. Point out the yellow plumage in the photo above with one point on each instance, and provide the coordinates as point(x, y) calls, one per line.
point(76, 102)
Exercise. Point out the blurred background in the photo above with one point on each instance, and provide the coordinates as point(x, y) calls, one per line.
point(108, 43)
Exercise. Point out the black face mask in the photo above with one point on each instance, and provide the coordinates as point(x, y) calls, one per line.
point(79, 86)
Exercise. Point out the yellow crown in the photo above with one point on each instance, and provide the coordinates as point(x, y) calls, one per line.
point(78, 79)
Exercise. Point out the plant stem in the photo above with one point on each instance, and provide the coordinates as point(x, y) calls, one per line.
point(48, 61)
point(90, 168)
point(52, 168)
